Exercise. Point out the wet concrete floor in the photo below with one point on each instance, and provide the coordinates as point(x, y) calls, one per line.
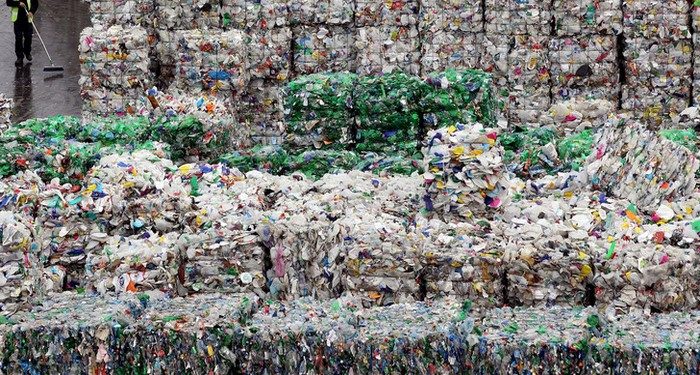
point(36, 93)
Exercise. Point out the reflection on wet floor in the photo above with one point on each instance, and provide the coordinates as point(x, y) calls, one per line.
point(23, 91)
point(37, 93)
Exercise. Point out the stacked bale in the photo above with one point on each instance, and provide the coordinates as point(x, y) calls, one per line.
point(587, 17)
point(458, 96)
point(658, 59)
point(387, 38)
point(584, 66)
point(322, 36)
point(529, 80)
point(323, 48)
point(114, 68)
point(211, 61)
point(465, 173)
point(318, 113)
point(388, 113)
point(509, 17)
point(452, 35)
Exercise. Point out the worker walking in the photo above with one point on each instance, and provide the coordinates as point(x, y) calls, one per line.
point(22, 14)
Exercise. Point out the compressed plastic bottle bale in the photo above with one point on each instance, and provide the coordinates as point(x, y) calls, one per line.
point(302, 261)
point(548, 272)
point(408, 326)
point(541, 338)
point(458, 96)
point(664, 336)
point(261, 108)
point(6, 105)
point(219, 131)
point(494, 58)
point(645, 277)
point(584, 67)
point(270, 59)
point(166, 49)
point(64, 159)
point(317, 108)
point(462, 261)
point(216, 61)
point(132, 264)
point(323, 48)
point(387, 103)
point(659, 75)
point(388, 113)
point(664, 20)
point(226, 263)
point(194, 322)
point(386, 49)
point(464, 170)
point(587, 17)
point(214, 202)
point(395, 142)
point(338, 336)
point(510, 17)
point(199, 311)
point(451, 15)
point(529, 79)
point(378, 255)
point(659, 170)
point(234, 14)
point(404, 193)
point(324, 12)
point(114, 67)
point(130, 12)
point(278, 332)
point(305, 238)
point(662, 228)
point(116, 193)
point(443, 50)
point(386, 13)
point(267, 14)
point(319, 133)
point(19, 264)
point(188, 14)
point(85, 323)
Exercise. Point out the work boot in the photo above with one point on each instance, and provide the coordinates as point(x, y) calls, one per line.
point(28, 56)
point(19, 62)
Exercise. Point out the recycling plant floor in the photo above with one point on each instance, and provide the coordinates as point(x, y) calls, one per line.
point(39, 94)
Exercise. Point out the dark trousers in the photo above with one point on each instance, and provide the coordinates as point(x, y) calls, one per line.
point(23, 39)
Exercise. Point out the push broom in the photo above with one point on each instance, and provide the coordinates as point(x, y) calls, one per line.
point(52, 68)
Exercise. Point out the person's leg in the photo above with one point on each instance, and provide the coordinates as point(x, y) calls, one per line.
point(28, 32)
point(19, 42)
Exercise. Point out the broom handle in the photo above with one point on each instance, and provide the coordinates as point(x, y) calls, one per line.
point(31, 20)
